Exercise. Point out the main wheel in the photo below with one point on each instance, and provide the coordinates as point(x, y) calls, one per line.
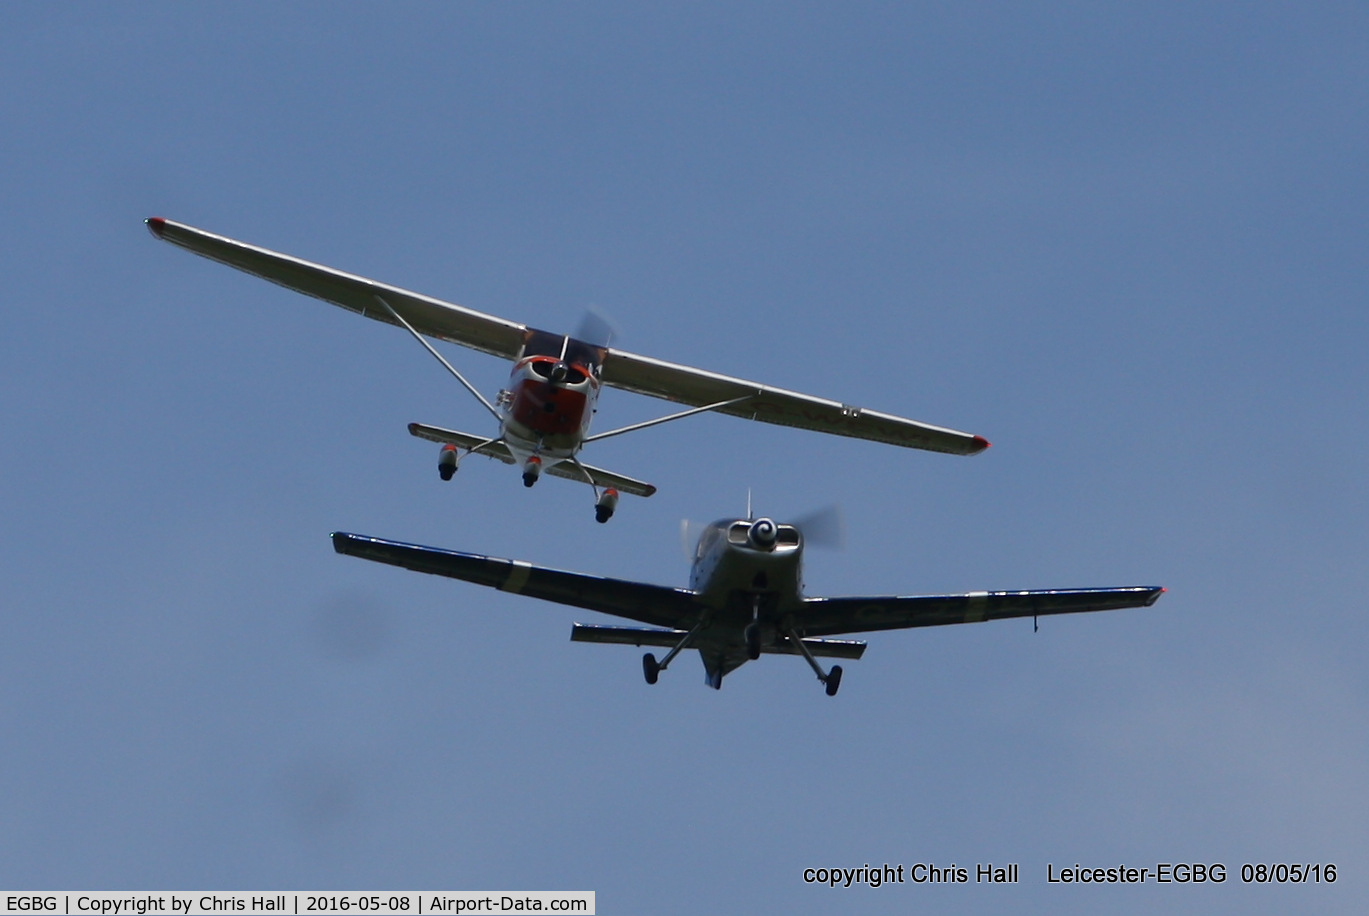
point(447, 460)
point(833, 680)
point(651, 668)
point(604, 504)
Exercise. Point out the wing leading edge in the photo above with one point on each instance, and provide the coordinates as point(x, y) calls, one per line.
point(566, 469)
point(835, 616)
point(628, 371)
point(696, 387)
point(429, 316)
point(652, 604)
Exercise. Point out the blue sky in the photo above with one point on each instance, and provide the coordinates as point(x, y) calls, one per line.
point(1124, 242)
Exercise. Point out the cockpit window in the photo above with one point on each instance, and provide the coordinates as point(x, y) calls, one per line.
point(543, 343)
point(560, 347)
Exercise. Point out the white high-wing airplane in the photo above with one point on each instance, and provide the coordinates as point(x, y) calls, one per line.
point(744, 598)
point(544, 414)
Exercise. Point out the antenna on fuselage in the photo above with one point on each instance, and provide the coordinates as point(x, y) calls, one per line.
point(749, 516)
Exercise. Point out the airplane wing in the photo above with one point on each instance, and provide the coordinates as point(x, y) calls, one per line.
point(652, 604)
point(833, 616)
point(696, 387)
point(497, 336)
point(565, 469)
point(429, 316)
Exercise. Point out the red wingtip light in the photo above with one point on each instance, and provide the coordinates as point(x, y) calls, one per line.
point(156, 225)
point(980, 444)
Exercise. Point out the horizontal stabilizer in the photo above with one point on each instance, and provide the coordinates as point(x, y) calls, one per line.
point(668, 639)
point(567, 470)
point(463, 440)
point(626, 636)
point(602, 478)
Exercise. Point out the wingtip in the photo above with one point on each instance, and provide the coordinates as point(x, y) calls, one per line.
point(156, 225)
point(980, 444)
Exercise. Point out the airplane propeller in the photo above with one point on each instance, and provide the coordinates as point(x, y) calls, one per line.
point(825, 527)
point(690, 531)
point(596, 327)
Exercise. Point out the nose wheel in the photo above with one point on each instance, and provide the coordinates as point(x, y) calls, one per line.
point(753, 642)
point(532, 469)
point(752, 633)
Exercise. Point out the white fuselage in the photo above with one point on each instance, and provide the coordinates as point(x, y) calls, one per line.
point(544, 416)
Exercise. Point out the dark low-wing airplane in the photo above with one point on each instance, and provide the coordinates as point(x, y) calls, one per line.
point(544, 414)
point(744, 598)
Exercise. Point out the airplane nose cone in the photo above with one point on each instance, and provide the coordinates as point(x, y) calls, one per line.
point(762, 534)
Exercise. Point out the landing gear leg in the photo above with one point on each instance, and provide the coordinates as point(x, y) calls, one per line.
point(831, 679)
point(753, 642)
point(752, 634)
point(652, 668)
point(449, 458)
point(605, 500)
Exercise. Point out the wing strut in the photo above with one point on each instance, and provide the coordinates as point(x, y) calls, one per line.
point(450, 368)
point(667, 419)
